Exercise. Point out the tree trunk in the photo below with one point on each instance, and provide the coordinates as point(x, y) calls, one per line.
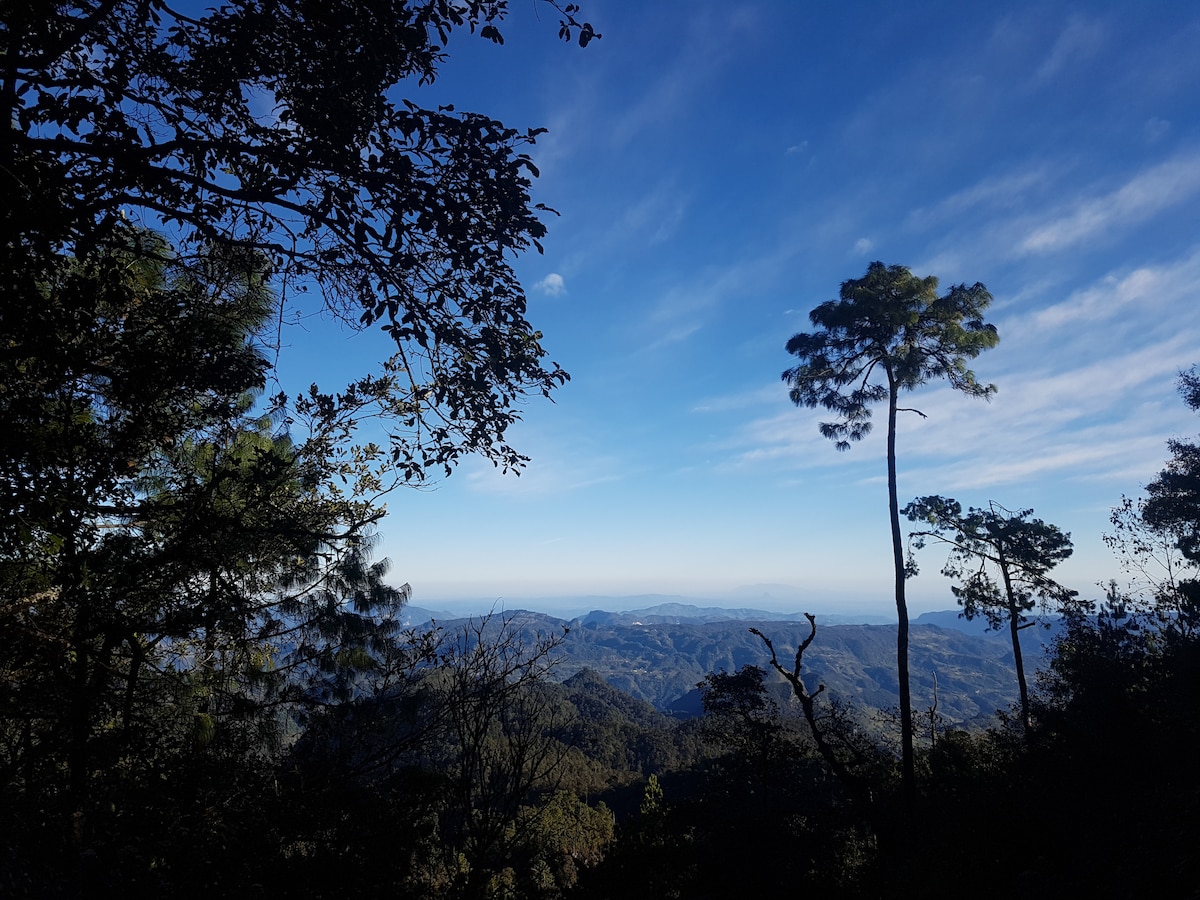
point(906, 723)
point(1014, 616)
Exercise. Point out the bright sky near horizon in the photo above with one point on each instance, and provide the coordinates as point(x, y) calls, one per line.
point(720, 168)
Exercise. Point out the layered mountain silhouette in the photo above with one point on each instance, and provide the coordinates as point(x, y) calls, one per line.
point(659, 654)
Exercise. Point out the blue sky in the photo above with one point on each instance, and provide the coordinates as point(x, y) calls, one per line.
point(720, 168)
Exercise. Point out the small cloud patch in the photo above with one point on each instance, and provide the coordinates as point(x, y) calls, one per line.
point(552, 284)
point(863, 246)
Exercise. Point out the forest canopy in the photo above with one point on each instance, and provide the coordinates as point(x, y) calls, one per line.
point(293, 129)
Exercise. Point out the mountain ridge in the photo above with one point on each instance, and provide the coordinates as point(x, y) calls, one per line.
point(660, 654)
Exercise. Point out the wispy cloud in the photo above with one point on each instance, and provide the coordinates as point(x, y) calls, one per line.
point(787, 440)
point(652, 218)
point(564, 134)
point(655, 217)
point(708, 44)
point(1096, 423)
point(1020, 217)
point(1082, 39)
point(1109, 455)
point(1056, 427)
point(551, 471)
point(1150, 288)
point(687, 307)
point(1156, 189)
point(773, 394)
point(1004, 191)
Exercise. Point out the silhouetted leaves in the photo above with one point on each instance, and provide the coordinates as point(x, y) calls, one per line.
point(274, 128)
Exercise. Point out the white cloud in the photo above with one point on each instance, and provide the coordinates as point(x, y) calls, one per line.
point(797, 148)
point(1146, 194)
point(552, 284)
point(863, 246)
point(1148, 288)
point(1110, 455)
point(1097, 423)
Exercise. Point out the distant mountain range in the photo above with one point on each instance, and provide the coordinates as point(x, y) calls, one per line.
point(660, 653)
point(672, 610)
point(770, 600)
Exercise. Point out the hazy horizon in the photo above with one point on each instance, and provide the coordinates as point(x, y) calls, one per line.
point(776, 599)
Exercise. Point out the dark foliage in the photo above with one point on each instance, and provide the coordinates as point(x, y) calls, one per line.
point(1000, 561)
point(185, 578)
point(271, 126)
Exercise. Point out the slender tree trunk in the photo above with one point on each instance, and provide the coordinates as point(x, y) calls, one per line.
point(76, 599)
point(908, 770)
point(80, 718)
point(137, 653)
point(1015, 630)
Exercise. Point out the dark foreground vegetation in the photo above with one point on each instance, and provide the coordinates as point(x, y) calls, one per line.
point(205, 688)
point(472, 774)
point(318, 749)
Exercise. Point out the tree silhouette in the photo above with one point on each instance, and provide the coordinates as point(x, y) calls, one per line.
point(1172, 509)
point(888, 333)
point(275, 127)
point(1020, 549)
point(167, 548)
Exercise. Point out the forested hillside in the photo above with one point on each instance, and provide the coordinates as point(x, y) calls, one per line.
point(968, 676)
